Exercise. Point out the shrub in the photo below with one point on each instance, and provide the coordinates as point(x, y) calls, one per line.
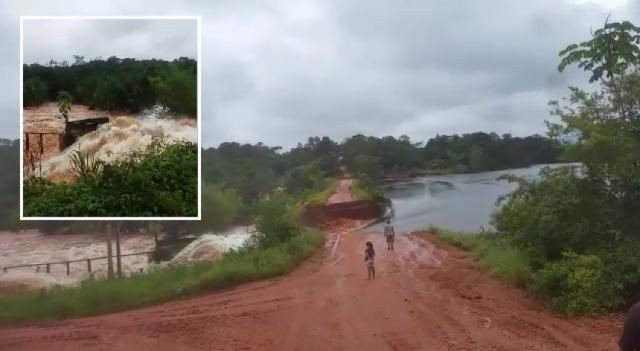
point(160, 180)
point(576, 284)
point(221, 207)
point(275, 221)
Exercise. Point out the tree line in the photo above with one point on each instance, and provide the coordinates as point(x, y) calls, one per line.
point(115, 84)
point(236, 177)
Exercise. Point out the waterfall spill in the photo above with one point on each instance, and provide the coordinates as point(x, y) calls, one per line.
point(29, 247)
point(113, 140)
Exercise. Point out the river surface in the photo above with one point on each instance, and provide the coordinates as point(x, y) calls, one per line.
point(29, 247)
point(462, 202)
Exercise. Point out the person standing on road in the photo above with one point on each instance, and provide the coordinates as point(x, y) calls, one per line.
point(630, 338)
point(369, 255)
point(389, 234)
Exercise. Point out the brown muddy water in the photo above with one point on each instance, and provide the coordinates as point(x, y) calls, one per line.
point(29, 247)
point(109, 143)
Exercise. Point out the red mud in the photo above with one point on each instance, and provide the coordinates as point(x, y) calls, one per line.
point(342, 205)
point(343, 192)
point(427, 296)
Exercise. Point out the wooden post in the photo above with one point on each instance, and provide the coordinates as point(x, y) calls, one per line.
point(40, 157)
point(89, 266)
point(118, 258)
point(109, 254)
point(48, 268)
point(68, 271)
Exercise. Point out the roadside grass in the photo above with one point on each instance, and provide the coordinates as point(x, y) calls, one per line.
point(321, 197)
point(360, 193)
point(492, 253)
point(315, 197)
point(102, 296)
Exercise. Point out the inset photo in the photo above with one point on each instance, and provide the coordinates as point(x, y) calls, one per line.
point(110, 123)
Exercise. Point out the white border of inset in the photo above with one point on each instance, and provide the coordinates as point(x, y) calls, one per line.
point(199, 118)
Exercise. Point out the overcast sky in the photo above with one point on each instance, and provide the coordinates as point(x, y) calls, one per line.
point(280, 71)
point(60, 39)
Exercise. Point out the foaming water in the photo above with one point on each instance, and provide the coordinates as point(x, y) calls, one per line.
point(30, 247)
point(111, 141)
point(211, 247)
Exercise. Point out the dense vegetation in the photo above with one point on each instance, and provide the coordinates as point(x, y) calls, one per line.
point(115, 84)
point(576, 230)
point(474, 152)
point(161, 180)
point(281, 243)
point(236, 176)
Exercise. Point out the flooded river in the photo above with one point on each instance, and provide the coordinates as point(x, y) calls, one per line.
point(29, 247)
point(462, 202)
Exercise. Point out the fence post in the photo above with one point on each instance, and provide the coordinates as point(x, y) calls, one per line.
point(109, 253)
point(118, 258)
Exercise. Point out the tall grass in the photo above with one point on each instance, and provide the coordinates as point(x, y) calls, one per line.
point(359, 193)
point(492, 253)
point(101, 296)
point(317, 196)
point(84, 165)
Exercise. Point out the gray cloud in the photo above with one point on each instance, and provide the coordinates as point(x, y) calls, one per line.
point(281, 71)
point(59, 39)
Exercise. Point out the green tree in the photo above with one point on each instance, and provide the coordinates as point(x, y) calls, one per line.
point(581, 226)
point(35, 92)
point(64, 104)
point(369, 166)
point(477, 159)
point(220, 208)
point(612, 51)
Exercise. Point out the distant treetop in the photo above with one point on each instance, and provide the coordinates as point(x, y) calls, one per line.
point(116, 84)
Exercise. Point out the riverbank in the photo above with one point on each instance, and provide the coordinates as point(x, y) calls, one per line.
point(462, 170)
point(427, 296)
point(494, 255)
point(568, 287)
point(273, 253)
point(101, 296)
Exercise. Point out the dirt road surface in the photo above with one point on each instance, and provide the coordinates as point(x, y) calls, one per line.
point(425, 297)
point(343, 193)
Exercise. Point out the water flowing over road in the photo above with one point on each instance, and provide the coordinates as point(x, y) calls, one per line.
point(427, 296)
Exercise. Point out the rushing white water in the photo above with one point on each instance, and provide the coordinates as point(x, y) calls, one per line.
point(113, 140)
point(30, 247)
point(211, 247)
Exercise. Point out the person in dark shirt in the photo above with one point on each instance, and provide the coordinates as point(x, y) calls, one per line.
point(369, 255)
point(630, 338)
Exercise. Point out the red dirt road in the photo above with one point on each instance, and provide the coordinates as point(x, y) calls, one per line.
point(342, 193)
point(425, 297)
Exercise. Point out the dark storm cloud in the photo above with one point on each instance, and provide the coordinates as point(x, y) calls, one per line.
point(281, 71)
